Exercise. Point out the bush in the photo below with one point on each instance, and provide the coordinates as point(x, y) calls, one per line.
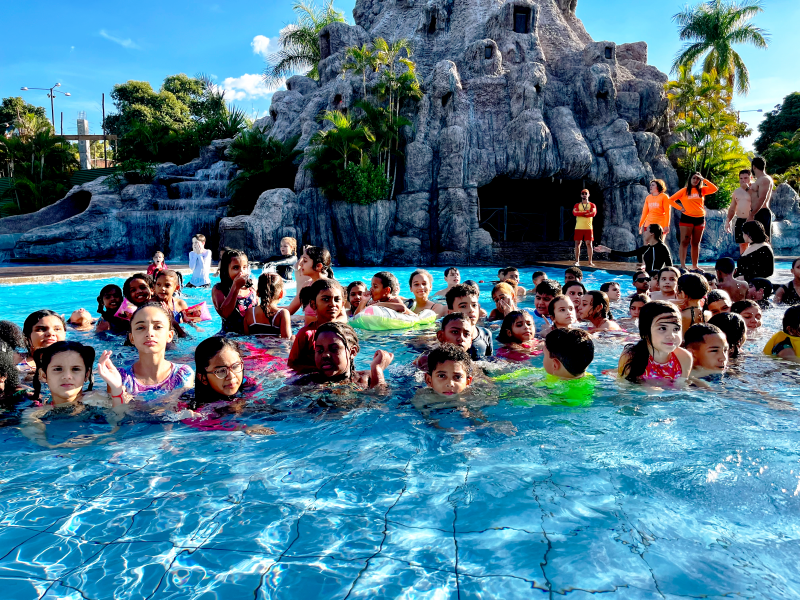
point(131, 171)
point(363, 184)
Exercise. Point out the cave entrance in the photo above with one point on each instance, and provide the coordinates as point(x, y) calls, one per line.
point(534, 210)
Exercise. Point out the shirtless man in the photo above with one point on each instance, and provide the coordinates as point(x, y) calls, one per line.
point(736, 289)
point(761, 194)
point(741, 209)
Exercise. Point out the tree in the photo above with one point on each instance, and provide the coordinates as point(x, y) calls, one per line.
point(785, 119)
point(15, 107)
point(299, 43)
point(713, 29)
point(784, 153)
point(361, 61)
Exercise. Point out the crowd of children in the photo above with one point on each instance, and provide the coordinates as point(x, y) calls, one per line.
point(681, 327)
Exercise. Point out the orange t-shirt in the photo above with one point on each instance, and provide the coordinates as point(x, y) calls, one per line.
point(656, 210)
point(695, 203)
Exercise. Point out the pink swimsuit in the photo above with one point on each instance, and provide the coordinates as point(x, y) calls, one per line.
point(669, 370)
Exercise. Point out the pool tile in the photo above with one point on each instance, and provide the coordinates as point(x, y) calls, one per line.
point(47, 556)
point(497, 587)
point(23, 589)
point(329, 579)
point(104, 520)
point(256, 527)
point(385, 578)
point(502, 552)
point(428, 548)
point(340, 536)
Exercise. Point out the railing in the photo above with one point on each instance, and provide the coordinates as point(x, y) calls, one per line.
point(508, 223)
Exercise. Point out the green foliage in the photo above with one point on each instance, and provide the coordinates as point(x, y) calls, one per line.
point(360, 61)
point(785, 119)
point(712, 29)
point(363, 183)
point(131, 171)
point(791, 177)
point(299, 43)
point(783, 153)
point(15, 107)
point(265, 164)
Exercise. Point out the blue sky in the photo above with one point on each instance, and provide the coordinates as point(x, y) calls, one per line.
point(93, 45)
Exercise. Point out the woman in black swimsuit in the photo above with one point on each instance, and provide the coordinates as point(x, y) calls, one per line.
point(654, 254)
point(788, 294)
point(758, 260)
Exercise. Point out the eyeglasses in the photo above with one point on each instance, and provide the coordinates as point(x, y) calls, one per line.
point(222, 372)
point(642, 280)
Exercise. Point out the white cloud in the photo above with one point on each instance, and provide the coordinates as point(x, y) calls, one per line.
point(263, 45)
point(127, 43)
point(247, 86)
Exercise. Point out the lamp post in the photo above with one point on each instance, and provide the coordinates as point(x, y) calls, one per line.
point(51, 95)
point(739, 112)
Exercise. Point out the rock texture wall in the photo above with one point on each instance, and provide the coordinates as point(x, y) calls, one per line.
point(515, 88)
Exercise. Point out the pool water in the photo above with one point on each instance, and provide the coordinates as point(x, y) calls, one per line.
point(641, 493)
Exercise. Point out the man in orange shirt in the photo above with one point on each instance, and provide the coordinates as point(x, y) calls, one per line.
point(584, 211)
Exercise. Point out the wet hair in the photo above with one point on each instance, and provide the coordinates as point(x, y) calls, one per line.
point(422, 272)
point(503, 287)
point(225, 281)
point(725, 265)
point(510, 270)
point(607, 286)
point(270, 286)
point(637, 274)
point(716, 296)
point(710, 277)
point(574, 348)
point(352, 285)
point(755, 231)
point(459, 291)
point(346, 333)
point(388, 280)
point(43, 356)
point(740, 306)
point(657, 231)
point(693, 285)
point(791, 318)
point(698, 332)
point(203, 354)
point(101, 308)
point(760, 283)
point(794, 262)
point(572, 284)
point(639, 352)
point(320, 285)
point(8, 370)
point(31, 321)
point(600, 299)
point(734, 328)
point(670, 269)
point(551, 306)
point(319, 256)
point(306, 296)
point(454, 316)
point(548, 287)
point(537, 274)
point(126, 287)
point(759, 162)
point(660, 185)
point(449, 270)
point(168, 273)
point(745, 172)
point(292, 243)
point(639, 298)
point(471, 285)
point(574, 271)
point(689, 185)
point(505, 336)
point(11, 337)
point(449, 352)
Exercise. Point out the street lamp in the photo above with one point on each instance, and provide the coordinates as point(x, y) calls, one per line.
point(51, 95)
point(739, 112)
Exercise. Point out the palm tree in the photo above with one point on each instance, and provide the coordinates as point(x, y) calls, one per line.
point(346, 137)
point(361, 61)
point(300, 43)
point(712, 29)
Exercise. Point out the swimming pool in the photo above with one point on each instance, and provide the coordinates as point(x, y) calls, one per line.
point(640, 494)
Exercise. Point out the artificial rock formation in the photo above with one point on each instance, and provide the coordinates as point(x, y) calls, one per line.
point(514, 89)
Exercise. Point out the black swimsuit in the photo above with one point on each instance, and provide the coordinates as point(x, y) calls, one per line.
point(790, 295)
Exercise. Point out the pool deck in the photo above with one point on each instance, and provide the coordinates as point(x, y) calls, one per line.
point(22, 273)
point(617, 268)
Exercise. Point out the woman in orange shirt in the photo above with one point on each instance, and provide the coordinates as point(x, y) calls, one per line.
point(656, 209)
point(693, 215)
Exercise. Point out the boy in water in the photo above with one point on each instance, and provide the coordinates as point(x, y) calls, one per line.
point(584, 212)
point(572, 274)
point(612, 290)
point(464, 299)
point(740, 208)
point(737, 290)
point(545, 292)
point(537, 278)
point(759, 291)
point(512, 278)
point(453, 277)
point(449, 370)
point(568, 353)
point(641, 281)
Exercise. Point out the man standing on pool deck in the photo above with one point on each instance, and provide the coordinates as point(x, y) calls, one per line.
point(584, 211)
point(761, 194)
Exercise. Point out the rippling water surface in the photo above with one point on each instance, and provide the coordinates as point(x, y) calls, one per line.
point(636, 494)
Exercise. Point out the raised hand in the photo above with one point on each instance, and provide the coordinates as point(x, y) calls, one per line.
point(382, 359)
point(109, 373)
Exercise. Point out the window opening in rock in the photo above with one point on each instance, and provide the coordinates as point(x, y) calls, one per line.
point(446, 98)
point(602, 95)
point(325, 45)
point(522, 15)
point(274, 115)
point(288, 86)
point(337, 99)
point(608, 52)
point(487, 52)
point(538, 88)
point(432, 25)
point(534, 210)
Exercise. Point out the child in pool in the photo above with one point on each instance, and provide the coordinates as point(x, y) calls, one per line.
point(573, 274)
point(691, 290)
point(575, 290)
point(108, 302)
point(505, 301)
point(355, 293)
point(596, 310)
point(637, 301)
point(562, 311)
point(612, 290)
point(667, 284)
point(138, 289)
point(718, 301)
point(268, 317)
point(166, 284)
point(421, 283)
point(545, 292)
point(751, 313)
point(81, 320)
point(568, 353)
point(518, 336)
point(511, 277)
point(536, 278)
point(759, 291)
point(453, 277)
point(11, 392)
point(709, 349)
point(641, 282)
point(449, 370)
point(151, 331)
point(41, 329)
point(455, 328)
point(235, 293)
point(157, 264)
point(314, 264)
point(654, 283)
point(465, 299)
point(657, 355)
point(383, 292)
point(65, 367)
point(734, 328)
point(328, 305)
point(711, 278)
point(786, 343)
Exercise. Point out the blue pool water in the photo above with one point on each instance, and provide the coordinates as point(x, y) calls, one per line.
point(640, 494)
